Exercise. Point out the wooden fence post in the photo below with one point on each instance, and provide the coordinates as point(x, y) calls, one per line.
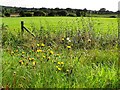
point(22, 28)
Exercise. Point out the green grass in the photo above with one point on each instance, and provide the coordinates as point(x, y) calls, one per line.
point(87, 72)
point(67, 52)
point(62, 23)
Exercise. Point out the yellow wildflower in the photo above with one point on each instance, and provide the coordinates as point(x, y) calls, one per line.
point(39, 50)
point(38, 45)
point(59, 63)
point(12, 52)
point(29, 59)
point(43, 56)
point(51, 52)
point(67, 70)
point(57, 54)
point(34, 63)
point(23, 52)
point(21, 62)
point(62, 39)
point(68, 47)
point(62, 62)
point(56, 66)
point(32, 59)
point(42, 44)
point(59, 69)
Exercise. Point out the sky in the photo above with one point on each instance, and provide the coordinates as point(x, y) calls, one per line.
point(111, 5)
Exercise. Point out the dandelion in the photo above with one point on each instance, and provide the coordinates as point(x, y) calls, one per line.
point(29, 59)
point(62, 39)
point(43, 56)
point(56, 66)
point(59, 63)
point(34, 63)
point(38, 45)
point(32, 59)
point(39, 50)
point(57, 54)
point(69, 47)
point(42, 44)
point(23, 52)
point(21, 62)
point(51, 52)
point(62, 62)
point(59, 69)
point(67, 70)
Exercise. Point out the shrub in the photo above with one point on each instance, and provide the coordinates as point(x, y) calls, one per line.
point(28, 14)
point(22, 14)
point(112, 16)
point(7, 14)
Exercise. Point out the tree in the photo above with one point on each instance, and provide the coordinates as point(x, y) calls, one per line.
point(7, 14)
point(102, 10)
point(72, 15)
point(39, 13)
point(62, 13)
point(78, 13)
point(28, 14)
point(84, 12)
point(52, 13)
point(22, 14)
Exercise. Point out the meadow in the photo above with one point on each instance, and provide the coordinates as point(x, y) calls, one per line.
point(66, 52)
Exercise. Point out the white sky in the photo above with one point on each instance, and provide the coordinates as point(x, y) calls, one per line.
point(111, 5)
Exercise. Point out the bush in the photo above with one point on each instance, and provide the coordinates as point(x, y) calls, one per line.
point(52, 13)
point(28, 14)
point(112, 16)
point(62, 13)
point(7, 14)
point(22, 14)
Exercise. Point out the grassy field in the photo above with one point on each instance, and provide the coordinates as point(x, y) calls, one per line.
point(66, 52)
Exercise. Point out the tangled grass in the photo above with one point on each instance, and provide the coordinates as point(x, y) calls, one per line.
point(81, 58)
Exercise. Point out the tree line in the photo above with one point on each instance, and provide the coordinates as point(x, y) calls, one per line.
point(27, 12)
